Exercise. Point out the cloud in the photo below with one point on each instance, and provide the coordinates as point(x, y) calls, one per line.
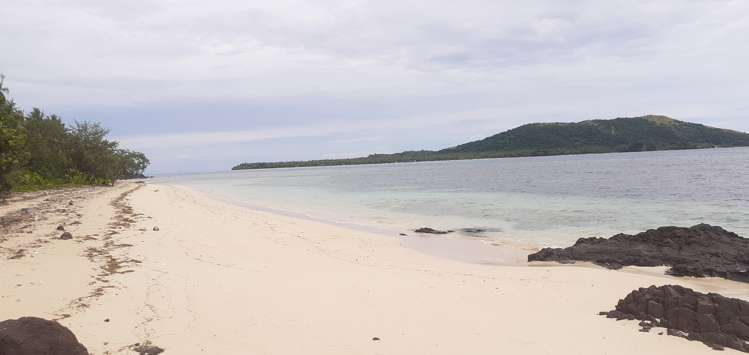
point(222, 137)
point(167, 74)
point(149, 141)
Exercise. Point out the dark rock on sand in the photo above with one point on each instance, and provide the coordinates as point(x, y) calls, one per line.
point(699, 251)
point(473, 230)
point(428, 230)
point(710, 318)
point(36, 336)
point(60, 228)
point(155, 229)
point(66, 236)
point(146, 348)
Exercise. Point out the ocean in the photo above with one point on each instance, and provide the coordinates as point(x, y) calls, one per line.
point(541, 201)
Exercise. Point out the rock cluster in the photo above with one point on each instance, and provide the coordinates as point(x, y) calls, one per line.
point(36, 336)
point(699, 251)
point(710, 318)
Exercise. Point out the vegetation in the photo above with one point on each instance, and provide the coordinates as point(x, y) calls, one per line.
point(39, 151)
point(631, 134)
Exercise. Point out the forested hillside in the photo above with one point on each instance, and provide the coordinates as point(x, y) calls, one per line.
point(39, 151)
point(630, 134)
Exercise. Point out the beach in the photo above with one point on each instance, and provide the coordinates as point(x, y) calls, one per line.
point(167, 265)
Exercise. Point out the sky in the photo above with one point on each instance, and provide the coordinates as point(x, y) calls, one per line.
point(204, 85)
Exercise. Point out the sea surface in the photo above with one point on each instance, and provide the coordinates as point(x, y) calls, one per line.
point(542, 201)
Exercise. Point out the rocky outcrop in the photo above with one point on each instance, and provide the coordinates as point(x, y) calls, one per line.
point(710, 318)
point(699, 251)
point(36, 336)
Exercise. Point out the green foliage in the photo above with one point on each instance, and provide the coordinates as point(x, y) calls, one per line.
point(26, 180)
point(91, 153)
point(47, 145)
point(3, 89)
point(39, 152)
point(632, 134)
point(130, 163)
point(12, 137)
point(618, 135)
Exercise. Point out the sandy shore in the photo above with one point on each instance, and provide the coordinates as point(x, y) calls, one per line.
point(222, 279)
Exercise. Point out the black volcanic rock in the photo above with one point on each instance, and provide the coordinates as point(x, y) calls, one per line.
point(146, 349)
point(699, 251)
point(36, 336)
point(713, 319)
point(428, 230)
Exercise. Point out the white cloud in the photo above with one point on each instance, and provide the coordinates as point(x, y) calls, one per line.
point(222, 137)
point(539, 60)
point(150, 141)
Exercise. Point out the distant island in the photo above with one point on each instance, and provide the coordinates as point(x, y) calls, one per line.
point(627, 134)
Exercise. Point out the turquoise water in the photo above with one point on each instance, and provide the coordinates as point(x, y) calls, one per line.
point(540, 200)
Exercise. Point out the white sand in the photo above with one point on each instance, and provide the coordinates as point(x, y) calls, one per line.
point(221, 279)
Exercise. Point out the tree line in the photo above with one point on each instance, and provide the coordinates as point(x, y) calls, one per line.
point(38, 151)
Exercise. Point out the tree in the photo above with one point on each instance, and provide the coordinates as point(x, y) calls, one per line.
point(46, 136)
point(132, 164)
point(92, 154)
point(38, 151)
point(12, 138)
point(3, 89)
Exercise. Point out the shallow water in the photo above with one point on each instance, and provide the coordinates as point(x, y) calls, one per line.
point(536, 201)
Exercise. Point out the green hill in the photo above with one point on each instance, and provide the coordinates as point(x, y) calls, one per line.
point(630, 134)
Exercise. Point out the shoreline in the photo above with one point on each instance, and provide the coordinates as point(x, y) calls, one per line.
point(457, 245)
point(220, 278)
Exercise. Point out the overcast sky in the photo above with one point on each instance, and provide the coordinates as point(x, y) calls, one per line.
point(203, 85)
